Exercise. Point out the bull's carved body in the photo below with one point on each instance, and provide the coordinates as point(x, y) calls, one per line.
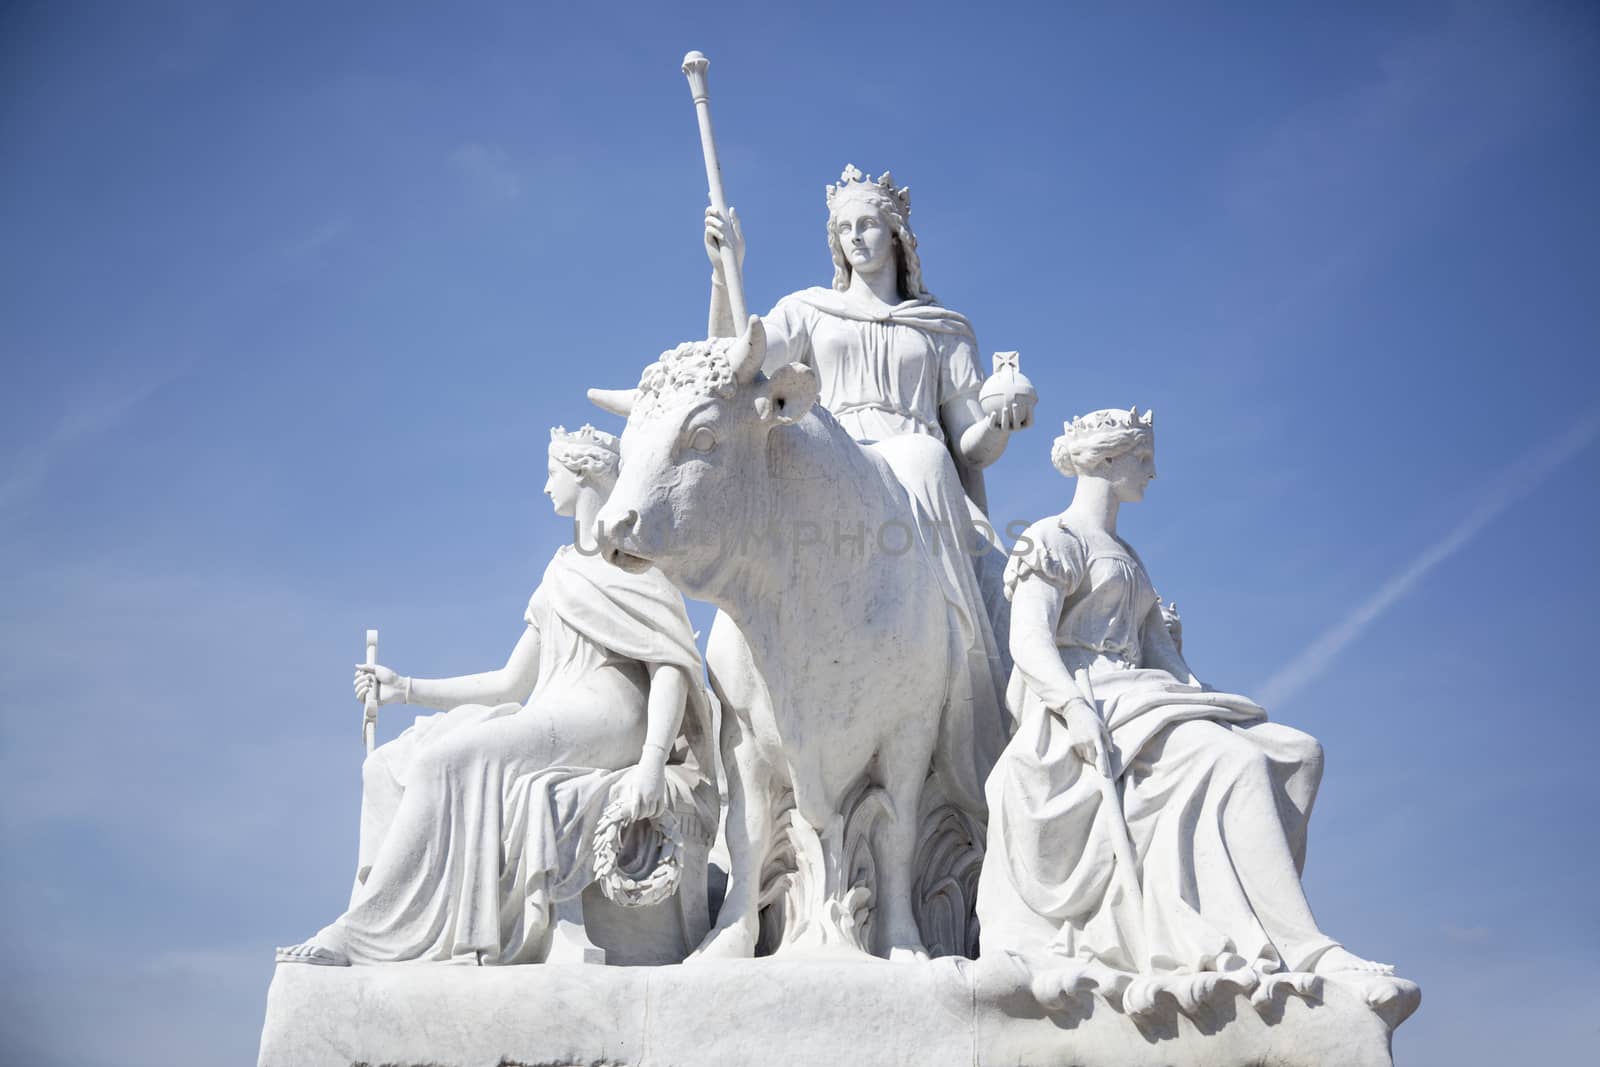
point(832, 656)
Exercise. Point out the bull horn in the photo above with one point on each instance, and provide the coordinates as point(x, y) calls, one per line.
point(616, 401)
point(750, 352)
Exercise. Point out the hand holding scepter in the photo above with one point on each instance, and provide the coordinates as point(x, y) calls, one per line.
point(370, 704)
point(369, 716)
point(376, 686)
point(694, 68)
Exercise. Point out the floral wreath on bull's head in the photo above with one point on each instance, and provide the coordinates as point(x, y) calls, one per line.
point(694, 369)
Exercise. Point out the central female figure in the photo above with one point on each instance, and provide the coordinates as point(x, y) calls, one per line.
point(893, 362)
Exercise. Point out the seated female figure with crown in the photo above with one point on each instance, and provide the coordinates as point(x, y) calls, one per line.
point(1214, 799)
point(478, 826)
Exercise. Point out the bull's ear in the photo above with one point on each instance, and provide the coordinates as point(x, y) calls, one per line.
point(788, 394)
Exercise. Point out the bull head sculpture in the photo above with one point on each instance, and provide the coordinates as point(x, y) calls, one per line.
point(695, 455)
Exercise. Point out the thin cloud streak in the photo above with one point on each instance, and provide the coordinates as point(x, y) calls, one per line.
point(488, 172)
point(30, 466)
point(1524, 479)
point(312, 243)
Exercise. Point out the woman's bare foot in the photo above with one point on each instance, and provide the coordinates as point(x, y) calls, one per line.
point(1338, 960)
point(317, 950)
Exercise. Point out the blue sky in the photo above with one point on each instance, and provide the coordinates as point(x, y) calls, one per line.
point(290, 297)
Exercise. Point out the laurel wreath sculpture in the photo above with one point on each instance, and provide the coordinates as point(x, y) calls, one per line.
point(637, 862)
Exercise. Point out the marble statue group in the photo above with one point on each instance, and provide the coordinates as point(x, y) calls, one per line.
point(911, 740)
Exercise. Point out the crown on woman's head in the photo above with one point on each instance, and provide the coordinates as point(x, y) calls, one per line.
point(585, 437)
point(1109, 419)
point(853, 182)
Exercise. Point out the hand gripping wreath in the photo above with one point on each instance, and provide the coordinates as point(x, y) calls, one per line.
point(637, 862)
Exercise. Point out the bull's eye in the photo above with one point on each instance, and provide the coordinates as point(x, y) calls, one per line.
point(703, 440)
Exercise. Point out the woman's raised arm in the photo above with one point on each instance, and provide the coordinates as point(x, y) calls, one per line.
point(719, 319)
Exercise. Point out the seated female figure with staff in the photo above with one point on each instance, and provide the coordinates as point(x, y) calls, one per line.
point(478, 826)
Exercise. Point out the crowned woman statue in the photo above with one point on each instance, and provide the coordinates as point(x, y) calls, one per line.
point(893, 363)
point(1137, 819)
point(478, 826)
point(892, 359)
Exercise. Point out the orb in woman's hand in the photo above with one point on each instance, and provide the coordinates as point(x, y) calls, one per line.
point(1006, 388)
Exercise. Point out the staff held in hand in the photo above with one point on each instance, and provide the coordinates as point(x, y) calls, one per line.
point(694, 68)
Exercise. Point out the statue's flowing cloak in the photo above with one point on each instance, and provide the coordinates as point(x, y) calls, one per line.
point(922, 313)
point(516, 836)
point(888, 371)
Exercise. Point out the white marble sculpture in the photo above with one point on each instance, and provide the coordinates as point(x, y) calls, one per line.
point(1140, 822)
point(889, 363)
point(891, 360)
point(482, 827)
point(844, 670)
point(819, 479)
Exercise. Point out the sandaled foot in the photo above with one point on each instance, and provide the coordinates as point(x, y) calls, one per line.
point(313, 952)
point(1338, 960)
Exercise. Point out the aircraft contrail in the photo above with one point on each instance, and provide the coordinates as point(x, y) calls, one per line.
point(1520, 481)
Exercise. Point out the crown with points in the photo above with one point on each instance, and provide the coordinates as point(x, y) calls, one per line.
point(853, 183)
point(1109, 419)
point(585, 437)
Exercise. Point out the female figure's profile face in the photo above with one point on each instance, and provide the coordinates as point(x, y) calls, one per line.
point(562, 489)
point(865, 237)
point(1131, 472)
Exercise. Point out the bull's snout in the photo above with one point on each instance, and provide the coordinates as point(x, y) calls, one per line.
point(611, 527)
point(613, 532)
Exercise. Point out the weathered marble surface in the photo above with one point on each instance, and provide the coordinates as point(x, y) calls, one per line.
point(777, 1013)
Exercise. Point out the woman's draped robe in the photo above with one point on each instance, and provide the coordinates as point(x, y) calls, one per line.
point(885, 375)
point(1215, 798)
point(477, 820)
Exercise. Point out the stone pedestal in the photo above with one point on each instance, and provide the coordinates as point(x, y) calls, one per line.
point(775, 1013)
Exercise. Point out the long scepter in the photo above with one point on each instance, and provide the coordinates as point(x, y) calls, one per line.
point(694, 68)
point(369, 709)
